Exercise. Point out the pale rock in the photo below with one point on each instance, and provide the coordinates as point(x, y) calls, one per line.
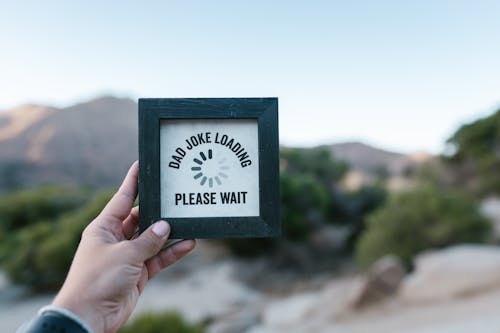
point(490, 208)
point(4, 281)
point(262, 329)
point(382, 282)
point(452, 272)
point(308, 309)
point(334, 300)
point(208, 292)
point(290, 311)
point(239, 321)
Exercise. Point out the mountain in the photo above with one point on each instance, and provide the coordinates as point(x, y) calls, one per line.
point(91, 143)
point(370, 160)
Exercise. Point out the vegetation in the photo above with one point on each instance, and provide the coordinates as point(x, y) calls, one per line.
point(11, 174)
point(437, 215)
point(311, 197)
point(304, 205)
point(168, 322)
point(354, 207)
point(426, 217)
point(26, 207)
point(39, 252)
point(474, 155)
point(307, 180)
point(40, 229)
point(317, 162)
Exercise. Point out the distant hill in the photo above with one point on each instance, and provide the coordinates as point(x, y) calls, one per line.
point(93, 143)
point(367, 159)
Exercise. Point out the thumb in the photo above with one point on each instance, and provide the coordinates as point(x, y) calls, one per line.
point(151, 241)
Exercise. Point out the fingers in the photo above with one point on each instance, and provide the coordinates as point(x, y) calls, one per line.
point(169, 256)
point(150, 242)
point(118, 208)
point(131, 223)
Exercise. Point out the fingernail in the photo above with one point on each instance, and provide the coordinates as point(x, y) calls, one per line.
point(161, 229)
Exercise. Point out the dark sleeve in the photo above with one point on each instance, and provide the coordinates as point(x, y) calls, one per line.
point(54, 322)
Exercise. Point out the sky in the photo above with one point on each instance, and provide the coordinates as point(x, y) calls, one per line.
point(401, 75)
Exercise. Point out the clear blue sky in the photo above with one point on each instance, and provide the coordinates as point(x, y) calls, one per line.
point(398, 74)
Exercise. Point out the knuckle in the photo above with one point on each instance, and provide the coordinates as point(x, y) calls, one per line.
point(151, 243)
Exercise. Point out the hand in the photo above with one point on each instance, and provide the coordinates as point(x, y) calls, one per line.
point(109, 271)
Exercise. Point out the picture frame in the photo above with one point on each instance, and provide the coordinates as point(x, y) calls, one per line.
point(210, 166)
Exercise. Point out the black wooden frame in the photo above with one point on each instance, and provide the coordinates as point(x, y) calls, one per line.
point(264, 110)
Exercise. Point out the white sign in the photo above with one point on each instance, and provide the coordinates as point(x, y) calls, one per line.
point(209, 168)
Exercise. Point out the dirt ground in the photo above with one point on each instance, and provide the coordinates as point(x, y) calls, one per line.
point(204, 287)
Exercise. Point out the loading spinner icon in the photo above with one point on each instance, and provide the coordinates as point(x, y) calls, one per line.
point(207, 169)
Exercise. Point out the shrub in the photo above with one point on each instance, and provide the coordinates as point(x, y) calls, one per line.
point(353, 208)
point(316, 162)
point(304, 205)
point(308, 185)
point(26, 207)
point(311, 198)
point(39, 255)
point(168, 322)
point(307, 180)
point(427, 217)
point(474, 155)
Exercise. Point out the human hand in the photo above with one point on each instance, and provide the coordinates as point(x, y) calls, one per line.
point(109, 271)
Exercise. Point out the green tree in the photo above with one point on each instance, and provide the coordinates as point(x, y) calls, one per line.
point(426, 217)
point(474, 154)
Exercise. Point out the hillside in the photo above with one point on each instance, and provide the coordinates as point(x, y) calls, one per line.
point(94, 142)
point(91, 143)
point(370, 160)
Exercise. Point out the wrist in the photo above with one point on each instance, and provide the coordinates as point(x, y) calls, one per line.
point(87, 315)
point(52, 319)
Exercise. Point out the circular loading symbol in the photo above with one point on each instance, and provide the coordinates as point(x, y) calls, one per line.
point(213, 174)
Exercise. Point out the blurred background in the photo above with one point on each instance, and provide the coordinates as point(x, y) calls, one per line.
point(390, 157)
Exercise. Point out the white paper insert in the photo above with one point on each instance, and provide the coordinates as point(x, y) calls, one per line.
point(209, 168)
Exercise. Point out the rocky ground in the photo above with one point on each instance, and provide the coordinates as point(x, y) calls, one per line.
point(453, 290)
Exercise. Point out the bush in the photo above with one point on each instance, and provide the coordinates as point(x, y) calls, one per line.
point(316, 162)
point(26, 207)
point(169, 322)
point(308, 185)
point(39, 255)
point(427, 217)
point(474, 155)
point(353, 208)
point(311, 198)
point(307, 181)
point(304, 205)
